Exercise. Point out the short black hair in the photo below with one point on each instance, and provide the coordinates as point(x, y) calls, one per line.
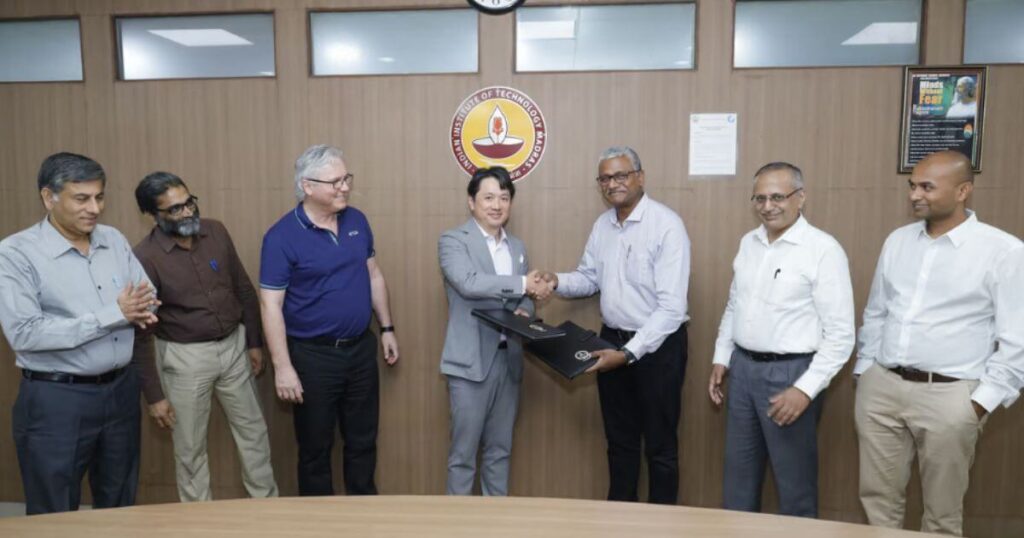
point(152, 187)
point(499, 173)
point(60, 168)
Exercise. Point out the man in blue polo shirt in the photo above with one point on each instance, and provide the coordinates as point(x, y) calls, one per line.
point(319, 281)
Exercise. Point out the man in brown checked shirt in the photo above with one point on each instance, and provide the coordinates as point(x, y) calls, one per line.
point(209, 327)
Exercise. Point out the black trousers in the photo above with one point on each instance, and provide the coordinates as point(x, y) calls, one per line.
point(340, 387)
point(62, 430)
point(640, 405)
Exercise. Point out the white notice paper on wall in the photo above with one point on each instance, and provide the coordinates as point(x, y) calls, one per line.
point(713, 144)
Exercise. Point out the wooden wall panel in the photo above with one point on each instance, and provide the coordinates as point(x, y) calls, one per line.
point(234, 142)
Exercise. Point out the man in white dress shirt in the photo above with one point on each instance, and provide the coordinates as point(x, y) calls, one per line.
point(787, 330)
point(638, 257)
point(942, 346)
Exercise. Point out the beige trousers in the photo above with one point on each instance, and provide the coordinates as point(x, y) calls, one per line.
point(190, 374)
point(897, 419)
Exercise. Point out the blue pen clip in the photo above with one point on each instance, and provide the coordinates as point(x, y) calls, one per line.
point(213, 265)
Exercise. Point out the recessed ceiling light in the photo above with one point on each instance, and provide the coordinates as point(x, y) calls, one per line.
point(203, 37)
point(885, 33)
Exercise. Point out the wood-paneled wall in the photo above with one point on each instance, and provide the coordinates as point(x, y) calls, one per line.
point(234, 142)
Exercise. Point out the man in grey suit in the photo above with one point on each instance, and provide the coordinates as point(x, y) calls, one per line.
point(484, 268)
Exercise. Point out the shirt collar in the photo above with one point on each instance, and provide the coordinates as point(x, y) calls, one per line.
point(957, 236)
point(636, 215)
point(306, 222)
point(56, 244)
point(167, 243)
point(488, 237)
point(795, 234)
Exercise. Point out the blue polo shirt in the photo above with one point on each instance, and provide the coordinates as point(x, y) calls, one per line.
point(325, 275)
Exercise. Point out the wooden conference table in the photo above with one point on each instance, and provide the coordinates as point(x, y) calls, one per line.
point(426, 516)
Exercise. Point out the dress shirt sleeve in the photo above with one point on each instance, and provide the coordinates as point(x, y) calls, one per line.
point(246, 295)
point(467, 279)
point(833, 301)
point(583, 282)
point(724, 344)
point(1004, 370)
point(671, 280)
point(28, 328)
point(144, 361)
point(869, 342)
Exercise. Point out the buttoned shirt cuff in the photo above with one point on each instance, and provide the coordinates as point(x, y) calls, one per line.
point(811, 383)
point(862, 365)
point(723, 355)
point(523, 290)
point(635, 347)
point(988, 396)
point(110, 316)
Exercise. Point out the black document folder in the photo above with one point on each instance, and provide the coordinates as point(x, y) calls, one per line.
point(570, 354)
point(529, 329)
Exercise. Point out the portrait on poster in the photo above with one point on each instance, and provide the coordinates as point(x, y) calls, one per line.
point(943, 109)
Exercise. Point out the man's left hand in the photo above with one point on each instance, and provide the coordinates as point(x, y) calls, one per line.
point(607, 359)
point(390, 345)
point(521, 312)
point(787, 406)
point(256, 360)
point(978, 409)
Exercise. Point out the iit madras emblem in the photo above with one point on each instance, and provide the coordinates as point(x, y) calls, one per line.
point(499, 126)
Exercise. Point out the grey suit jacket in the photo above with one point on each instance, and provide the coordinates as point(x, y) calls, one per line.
point(470, 345)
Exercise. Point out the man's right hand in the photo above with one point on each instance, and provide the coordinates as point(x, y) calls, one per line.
point(537, 287)
point(715, 390)
point(136, 302)
point(289, 388)
point(163, 413)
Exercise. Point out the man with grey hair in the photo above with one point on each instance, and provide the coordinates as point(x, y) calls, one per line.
point(70, 292)
point(319, 284)
point(786, 331)
point(638, 258)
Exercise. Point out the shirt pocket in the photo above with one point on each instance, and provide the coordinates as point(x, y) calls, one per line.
point(640, 269)
point(788, 290)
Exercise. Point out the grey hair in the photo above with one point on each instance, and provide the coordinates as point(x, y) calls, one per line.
point(795, 174)
point(60, 168)
point(621, 151)
point(312, 160)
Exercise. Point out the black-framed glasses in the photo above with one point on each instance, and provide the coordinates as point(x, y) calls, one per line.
point(776, 198)
point(618, 177)
point(347, 179)
point(177, 209)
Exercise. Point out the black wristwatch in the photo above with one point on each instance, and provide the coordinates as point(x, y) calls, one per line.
point(630, 357)
point(387, 328)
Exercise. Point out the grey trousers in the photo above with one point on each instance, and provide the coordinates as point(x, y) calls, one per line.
point(483, 415)
point(752, 439)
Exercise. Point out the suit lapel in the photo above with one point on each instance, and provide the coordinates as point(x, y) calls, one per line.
point(478, 246)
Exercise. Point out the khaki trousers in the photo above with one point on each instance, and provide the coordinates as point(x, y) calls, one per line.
point(190, 374)
point(897, 419)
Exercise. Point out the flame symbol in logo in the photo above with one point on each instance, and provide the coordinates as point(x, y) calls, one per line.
point(498, 131)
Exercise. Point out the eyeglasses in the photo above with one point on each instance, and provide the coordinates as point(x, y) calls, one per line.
point(619, 177)
point(177, 209)
point(347, 179)
point(776, 198)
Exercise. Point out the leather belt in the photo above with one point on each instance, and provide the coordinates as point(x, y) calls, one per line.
point(72, 379)
point(920, 376)
point(330, 341)
point(760, 356)
point(625, 336)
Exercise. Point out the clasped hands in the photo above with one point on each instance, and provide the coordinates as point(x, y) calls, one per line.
point(540, 284)
point(137, 303)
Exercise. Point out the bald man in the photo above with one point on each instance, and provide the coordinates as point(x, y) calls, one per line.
point(942, 346)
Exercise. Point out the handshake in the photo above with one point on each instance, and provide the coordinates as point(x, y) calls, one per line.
point(540, 284)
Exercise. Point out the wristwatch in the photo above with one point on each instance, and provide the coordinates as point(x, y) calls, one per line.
point(387, 328)
point(630, 357)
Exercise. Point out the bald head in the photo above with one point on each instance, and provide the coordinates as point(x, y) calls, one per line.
point(948, 164)
point(940, 185)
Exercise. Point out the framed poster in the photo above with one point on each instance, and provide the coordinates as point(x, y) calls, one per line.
point(943, 108)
